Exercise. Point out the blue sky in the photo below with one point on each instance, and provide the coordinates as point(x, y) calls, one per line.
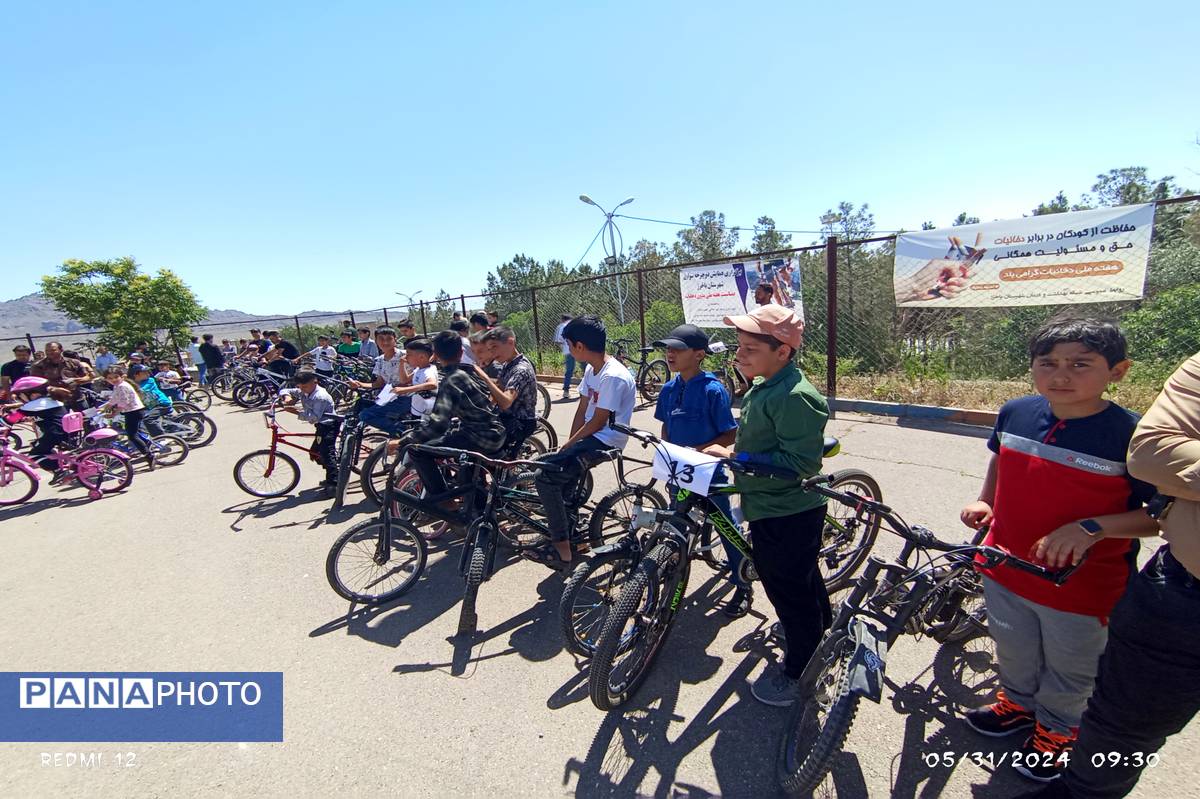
point(286, 156)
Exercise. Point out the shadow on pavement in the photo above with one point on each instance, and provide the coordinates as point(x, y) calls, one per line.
point(266, 508)
point(635, 740)
point(35, 505)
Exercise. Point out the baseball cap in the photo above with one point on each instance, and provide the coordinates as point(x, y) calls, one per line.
point(776, 321)
point(687, 337)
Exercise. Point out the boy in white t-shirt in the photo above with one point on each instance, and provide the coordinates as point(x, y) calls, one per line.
point(323, 357)
point(606, 392)
point(423, 380)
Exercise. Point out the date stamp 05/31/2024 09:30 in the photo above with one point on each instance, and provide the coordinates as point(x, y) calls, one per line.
point(992, 760)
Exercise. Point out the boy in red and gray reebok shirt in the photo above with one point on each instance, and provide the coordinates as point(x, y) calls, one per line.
point(1057, 490)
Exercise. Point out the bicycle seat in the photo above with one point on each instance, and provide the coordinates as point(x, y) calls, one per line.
point(831, 448)
point(327, 418)
point(646, 350)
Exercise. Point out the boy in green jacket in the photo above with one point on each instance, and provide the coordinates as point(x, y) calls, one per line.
point(782, 424)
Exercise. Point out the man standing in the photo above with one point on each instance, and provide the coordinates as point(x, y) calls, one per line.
point(366, 347)
point(568, 358)
point(65, 375)
point(17, 368)
point(104, 359)
point(197, 359)
point(211, 355)
point(1146, 689)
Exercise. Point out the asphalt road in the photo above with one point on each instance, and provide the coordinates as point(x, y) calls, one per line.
point(184, 572)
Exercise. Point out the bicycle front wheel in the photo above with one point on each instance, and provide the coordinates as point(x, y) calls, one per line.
point(105, 471)
point(362, 568)
point(654, 376)
point(18, 483)
point(546, 435)
point(200, 397)
point(481, 542)
point(847, 536)
point(587, 596)
point(820, 719)
point(635, 629)
point(543, 401)
point(222, 386)
point(169, 450)
point(264, 473)
point(616, 510)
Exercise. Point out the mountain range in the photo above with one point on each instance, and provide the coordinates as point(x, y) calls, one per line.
point(37, 316)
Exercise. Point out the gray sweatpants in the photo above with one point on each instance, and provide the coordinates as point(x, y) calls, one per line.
point(1047, 658)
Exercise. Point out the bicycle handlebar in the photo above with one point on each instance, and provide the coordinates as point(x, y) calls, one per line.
point(466, 454)
point(742, 467)
point(925, 538)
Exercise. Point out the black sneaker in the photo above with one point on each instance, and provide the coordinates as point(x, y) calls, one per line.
point(739, 604)
point(1044, 755)
point(1002, 717)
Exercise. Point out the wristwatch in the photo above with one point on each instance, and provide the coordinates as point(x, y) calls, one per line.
point(1091, 527)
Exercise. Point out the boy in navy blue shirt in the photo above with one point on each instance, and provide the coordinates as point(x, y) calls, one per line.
point(695, 412)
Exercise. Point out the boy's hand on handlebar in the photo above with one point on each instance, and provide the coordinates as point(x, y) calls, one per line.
point(1065, 546)
point(976, 514)
point(718, 451)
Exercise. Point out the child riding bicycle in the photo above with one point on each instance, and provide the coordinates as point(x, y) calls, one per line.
point(316, 407)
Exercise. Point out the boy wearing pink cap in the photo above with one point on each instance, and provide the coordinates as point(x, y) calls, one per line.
point(782, 424)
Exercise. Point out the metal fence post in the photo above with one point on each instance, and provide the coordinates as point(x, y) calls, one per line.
point(642, 305)
point(831, 307)
point(352, 322)
point(299, 335)
point(424, 325)
point(537, 329)
point(32, 349)
point(385, 319)
point(462, 300)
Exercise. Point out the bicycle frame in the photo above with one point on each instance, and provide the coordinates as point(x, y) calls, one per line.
point(281, 436)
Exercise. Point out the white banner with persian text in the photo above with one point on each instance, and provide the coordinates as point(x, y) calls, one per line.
point(1055, 259)
point(710, 293)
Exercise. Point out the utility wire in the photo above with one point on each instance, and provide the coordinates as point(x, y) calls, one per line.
point(593, 244)
point(729, 227)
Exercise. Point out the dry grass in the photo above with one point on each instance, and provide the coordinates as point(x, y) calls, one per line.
point(987, 395)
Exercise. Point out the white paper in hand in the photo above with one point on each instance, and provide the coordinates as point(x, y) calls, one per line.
point(683, 467)
point(385, 395)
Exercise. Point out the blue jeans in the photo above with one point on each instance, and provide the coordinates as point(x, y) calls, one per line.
point(568, 372)
point(201, 369)
point(553, 486)
point(387, 417)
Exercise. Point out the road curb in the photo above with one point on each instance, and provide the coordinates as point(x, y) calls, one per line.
point(899, 409)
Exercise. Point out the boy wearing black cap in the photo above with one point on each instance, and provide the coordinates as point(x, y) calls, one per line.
point(695, 411)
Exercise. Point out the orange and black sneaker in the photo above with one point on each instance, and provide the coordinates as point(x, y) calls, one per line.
point(1044, 755)
point(1002, 717)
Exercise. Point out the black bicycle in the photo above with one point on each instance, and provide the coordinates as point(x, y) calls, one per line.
point(652, 373)
point(621, 519)
point(920, 594)
point(355, 444)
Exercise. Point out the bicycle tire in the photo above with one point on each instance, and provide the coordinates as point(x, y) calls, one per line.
point(645, 580)
point(581, 627)
point(12, 473)
point(250, 395)
point(200, 397)
point(349, 443)
point(613, 512)
point(222, 386)
point(366, 446)
point(14, 440)
point(188, 426)
point(841, 576)
point(169, 450)
point(545, 433)
point(244, 481)
point(104, 463)
point(543, 401)
point(367, 532)
point(371, 477)
point(652, 377)
point(468, 619)
point(801, 774)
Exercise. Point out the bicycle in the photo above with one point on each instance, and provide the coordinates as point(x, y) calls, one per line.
point(724, 366)
point(355, 444)
point(258, 391)
point(269, 472)
point(643, 614)
point(887, 601)
point(93, 464)
point(595, 584)
point(652, 373)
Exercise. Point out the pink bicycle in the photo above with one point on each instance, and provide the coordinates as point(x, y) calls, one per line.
point(95, 465)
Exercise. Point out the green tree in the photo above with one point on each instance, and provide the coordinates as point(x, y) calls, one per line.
point(767, 238)
point(963, 219)
point(707, 239)
point(130, 305)
point(1164, 332)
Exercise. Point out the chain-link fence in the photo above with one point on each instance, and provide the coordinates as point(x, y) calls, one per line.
point(860, 342)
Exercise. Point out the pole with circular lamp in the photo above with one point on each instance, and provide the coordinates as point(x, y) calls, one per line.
point(612, 253)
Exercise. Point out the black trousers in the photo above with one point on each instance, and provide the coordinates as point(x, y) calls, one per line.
point(426, 465)
point(554, 486)
point(44, 446)
point(1148, 687)
point(133, 429)
point(785, 552)
point(325, 447)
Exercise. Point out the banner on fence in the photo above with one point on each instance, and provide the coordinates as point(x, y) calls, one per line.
point(1055, 259)
point(710, 293)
